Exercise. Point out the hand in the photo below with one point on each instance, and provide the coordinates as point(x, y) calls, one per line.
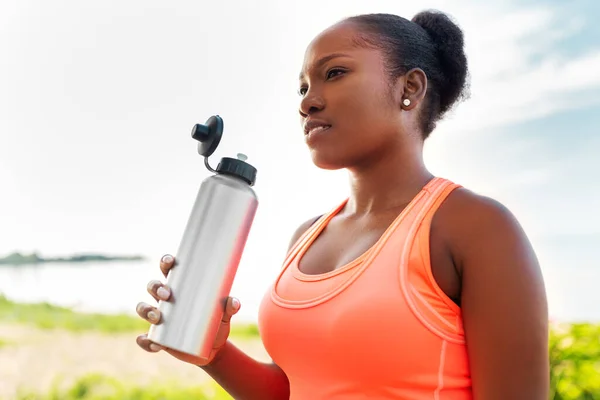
point(151, 314)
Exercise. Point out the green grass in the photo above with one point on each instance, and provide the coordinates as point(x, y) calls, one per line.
point(244, 331)
point(100, 387)
point(574, 354)
point(575, 362)
point(48, 316)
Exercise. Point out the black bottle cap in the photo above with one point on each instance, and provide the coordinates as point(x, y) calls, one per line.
point(237, 167)
point(209, 135)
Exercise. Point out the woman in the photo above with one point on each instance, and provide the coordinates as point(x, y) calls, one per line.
point(413, 287)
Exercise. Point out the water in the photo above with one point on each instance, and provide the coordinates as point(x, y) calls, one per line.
point(106, 287)
point(115, 287)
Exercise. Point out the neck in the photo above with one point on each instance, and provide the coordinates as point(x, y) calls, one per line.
point(393, 180)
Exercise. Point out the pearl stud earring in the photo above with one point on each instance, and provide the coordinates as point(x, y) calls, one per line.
point(406, 102)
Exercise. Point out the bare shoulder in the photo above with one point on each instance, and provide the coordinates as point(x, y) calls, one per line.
point(503, 298)
point(487, 244)
point(301, 230)
point(467, 219)
point(473, 210)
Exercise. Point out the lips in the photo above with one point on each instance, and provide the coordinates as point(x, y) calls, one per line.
point(317, 130)
point(315, 126)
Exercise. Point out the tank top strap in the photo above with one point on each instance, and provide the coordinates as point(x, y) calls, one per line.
point(428, 192)
point(438, 196)
point(311, 232)
point(427, 300)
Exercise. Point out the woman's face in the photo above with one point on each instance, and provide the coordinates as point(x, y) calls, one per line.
point(350, 113)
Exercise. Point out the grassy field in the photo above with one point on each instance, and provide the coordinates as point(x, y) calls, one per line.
point(4, 343)
point(94, 356)
point(48, 316)
point(99, 387)
point(60, 354)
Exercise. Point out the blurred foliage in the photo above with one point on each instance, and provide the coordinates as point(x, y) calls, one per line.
point(48, 316)
point(244, 331)
point(99, 387)
point(575, 362)
point(17, 258)
point(4, 342)
point(574, 351)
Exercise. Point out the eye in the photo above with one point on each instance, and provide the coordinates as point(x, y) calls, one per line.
point(334, 72)
point(302, 91)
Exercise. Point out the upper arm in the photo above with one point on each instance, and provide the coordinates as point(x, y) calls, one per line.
point(503, 301)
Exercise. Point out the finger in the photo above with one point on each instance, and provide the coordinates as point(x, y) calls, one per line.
point(231, 308)
point(158, 290)
point(147, 344)
point(147, 312)
point(166, 263)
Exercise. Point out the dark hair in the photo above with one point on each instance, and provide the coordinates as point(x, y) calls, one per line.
point(431, 42)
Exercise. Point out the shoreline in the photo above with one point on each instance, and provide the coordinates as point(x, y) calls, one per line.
point(16, 259)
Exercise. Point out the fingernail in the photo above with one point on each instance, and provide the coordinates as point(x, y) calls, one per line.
point(167, 258)
point(235, 303)
point(152, 316)
point(163, 293)
point(155, 347)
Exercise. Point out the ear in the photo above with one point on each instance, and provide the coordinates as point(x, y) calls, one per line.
point(414, 88)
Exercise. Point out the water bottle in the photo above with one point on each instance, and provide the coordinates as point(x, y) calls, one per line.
point(210, 250)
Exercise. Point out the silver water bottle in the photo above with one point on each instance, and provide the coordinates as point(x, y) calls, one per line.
point(209, 252)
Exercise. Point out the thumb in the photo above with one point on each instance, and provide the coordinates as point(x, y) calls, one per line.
point(231, 308)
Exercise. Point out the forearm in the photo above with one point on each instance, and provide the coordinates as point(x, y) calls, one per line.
point(245, 378)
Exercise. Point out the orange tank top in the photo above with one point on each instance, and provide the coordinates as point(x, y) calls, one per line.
point(377, 328)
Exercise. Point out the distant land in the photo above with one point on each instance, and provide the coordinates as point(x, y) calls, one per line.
point(34, 258)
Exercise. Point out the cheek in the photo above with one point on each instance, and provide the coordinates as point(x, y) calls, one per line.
point(362, 119)
point(361, 104)
point(364, 114)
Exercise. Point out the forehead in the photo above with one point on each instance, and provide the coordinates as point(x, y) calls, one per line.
point(340, 39)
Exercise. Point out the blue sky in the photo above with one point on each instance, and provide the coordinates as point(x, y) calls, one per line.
point(98, 99)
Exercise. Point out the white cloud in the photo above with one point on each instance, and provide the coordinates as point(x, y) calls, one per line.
point(98, 102)
point(98, 99)
point(517, 71)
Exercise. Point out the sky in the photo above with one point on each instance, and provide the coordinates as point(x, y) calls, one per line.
point(98, 98)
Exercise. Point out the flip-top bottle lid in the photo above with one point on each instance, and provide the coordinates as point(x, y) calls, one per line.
point(237, 167)
point(209, 135)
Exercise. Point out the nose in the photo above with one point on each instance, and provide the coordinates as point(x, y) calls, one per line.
point(311, 103)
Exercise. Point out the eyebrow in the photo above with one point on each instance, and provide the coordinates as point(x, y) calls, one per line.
point(321, 61)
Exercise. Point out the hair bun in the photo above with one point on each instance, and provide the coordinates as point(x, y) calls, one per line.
point(449, 41)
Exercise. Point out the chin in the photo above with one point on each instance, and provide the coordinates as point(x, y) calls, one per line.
point(329, 162)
